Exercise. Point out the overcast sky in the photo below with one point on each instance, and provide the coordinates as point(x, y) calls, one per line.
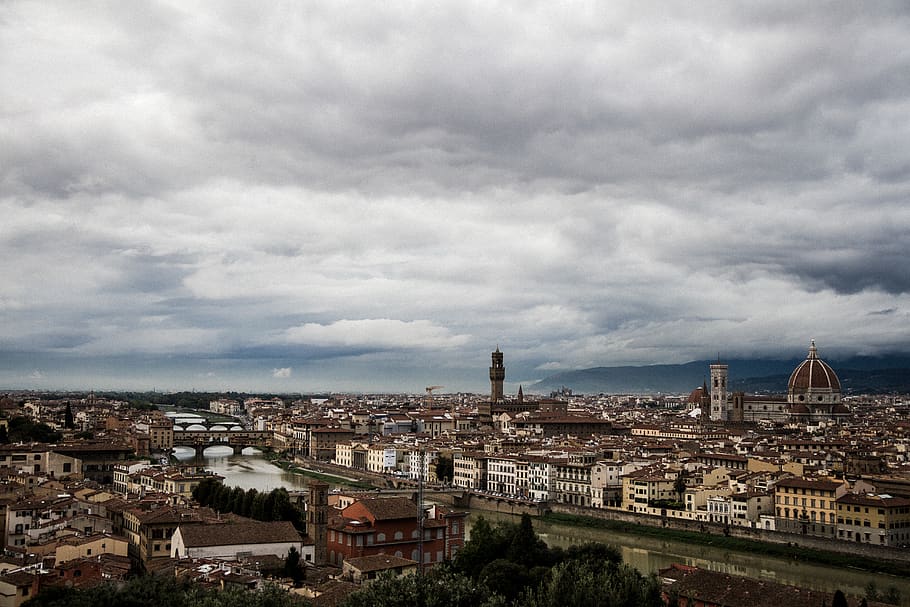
point(371, 196)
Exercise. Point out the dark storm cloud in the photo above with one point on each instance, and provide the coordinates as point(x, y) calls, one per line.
point(583, 183)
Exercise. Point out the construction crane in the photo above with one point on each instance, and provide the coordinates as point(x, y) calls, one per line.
point(428, 399)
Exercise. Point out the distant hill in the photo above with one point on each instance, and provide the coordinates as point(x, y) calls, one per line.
point(857, 375)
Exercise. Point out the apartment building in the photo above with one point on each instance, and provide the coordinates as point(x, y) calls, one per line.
point(541, 477)
point(573, 479)
point(874, 519)
point(501, 474)
point(373, 526)
point(641, 488)
point(808, 506)
point(470, 470)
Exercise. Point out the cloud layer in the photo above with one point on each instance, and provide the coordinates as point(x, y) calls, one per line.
point(376, 196)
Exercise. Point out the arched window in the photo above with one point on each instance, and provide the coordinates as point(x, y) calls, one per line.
point(399, 535)
point(380, 537)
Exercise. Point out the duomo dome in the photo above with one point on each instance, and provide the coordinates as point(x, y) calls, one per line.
point(813, 382)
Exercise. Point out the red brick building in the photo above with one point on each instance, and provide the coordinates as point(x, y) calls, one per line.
point(389, 526)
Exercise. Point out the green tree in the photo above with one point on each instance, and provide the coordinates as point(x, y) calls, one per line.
point(237, 495)
point(525, 548)
point(506, 578)
point(593, 552)
point(593, 585)
point(152, 591)
point(679, 485)
point(445, 468)
point(438, 588)
point(248, 498)
point(268, 506)
point(872, 592)
point(292, 568)
point(204, 491)
point(68, 422)
point(221, 500)
point(839, 600)
point(24, 430)
point(257, 511)
point(487, 544)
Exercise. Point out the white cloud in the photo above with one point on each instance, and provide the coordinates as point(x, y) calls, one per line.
point(550, 366)
point(606, 184)
point(282, 373)
point(376, 333)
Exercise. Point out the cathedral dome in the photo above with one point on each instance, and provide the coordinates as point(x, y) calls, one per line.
point(813, 381)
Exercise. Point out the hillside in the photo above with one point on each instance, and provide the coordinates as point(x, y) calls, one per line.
point(857, 375)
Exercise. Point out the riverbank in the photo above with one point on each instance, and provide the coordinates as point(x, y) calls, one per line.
point(294, 468)
point(829, 553)
point(789, 551)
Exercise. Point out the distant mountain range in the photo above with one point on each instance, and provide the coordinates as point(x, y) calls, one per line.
point(857, 375)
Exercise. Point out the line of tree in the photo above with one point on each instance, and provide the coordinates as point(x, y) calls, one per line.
point(445, 468)
point(275, 505)
point(508, 564)
point(25, 430)
point(155, 591)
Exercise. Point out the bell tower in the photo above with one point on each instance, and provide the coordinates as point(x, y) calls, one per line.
point(719, 392)
point(317, 508)
point(497, 377)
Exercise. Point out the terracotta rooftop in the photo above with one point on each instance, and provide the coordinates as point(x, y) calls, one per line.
point(713, 588)
point(387, 508)
point(274, 532)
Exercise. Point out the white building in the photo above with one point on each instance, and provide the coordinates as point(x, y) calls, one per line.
point(232, 541)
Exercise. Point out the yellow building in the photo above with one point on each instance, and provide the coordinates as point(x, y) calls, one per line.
point(873, 519)
point(161, 434)
point(808, 506)
point(91, 545)
point(644, 487)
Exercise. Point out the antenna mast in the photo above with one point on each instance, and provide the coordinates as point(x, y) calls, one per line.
point(420, 512)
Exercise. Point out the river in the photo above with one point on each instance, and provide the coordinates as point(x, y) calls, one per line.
point(250, 470)
point(648, 555)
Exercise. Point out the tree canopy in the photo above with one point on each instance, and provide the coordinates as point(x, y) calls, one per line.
point(508, 564)
point(152, 591)
point(272, 506)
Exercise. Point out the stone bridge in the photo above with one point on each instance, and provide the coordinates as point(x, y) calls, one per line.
point(236, 439)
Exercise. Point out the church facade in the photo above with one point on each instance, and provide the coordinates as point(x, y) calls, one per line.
point(813, 396)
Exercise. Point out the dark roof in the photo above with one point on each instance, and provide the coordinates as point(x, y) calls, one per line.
point(230, 534)
point(379, 562)
point(714, 588)
point(878, 501)
point(387, 508)
point(805, 483)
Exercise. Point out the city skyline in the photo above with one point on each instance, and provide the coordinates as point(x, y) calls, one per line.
point(301, 197)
